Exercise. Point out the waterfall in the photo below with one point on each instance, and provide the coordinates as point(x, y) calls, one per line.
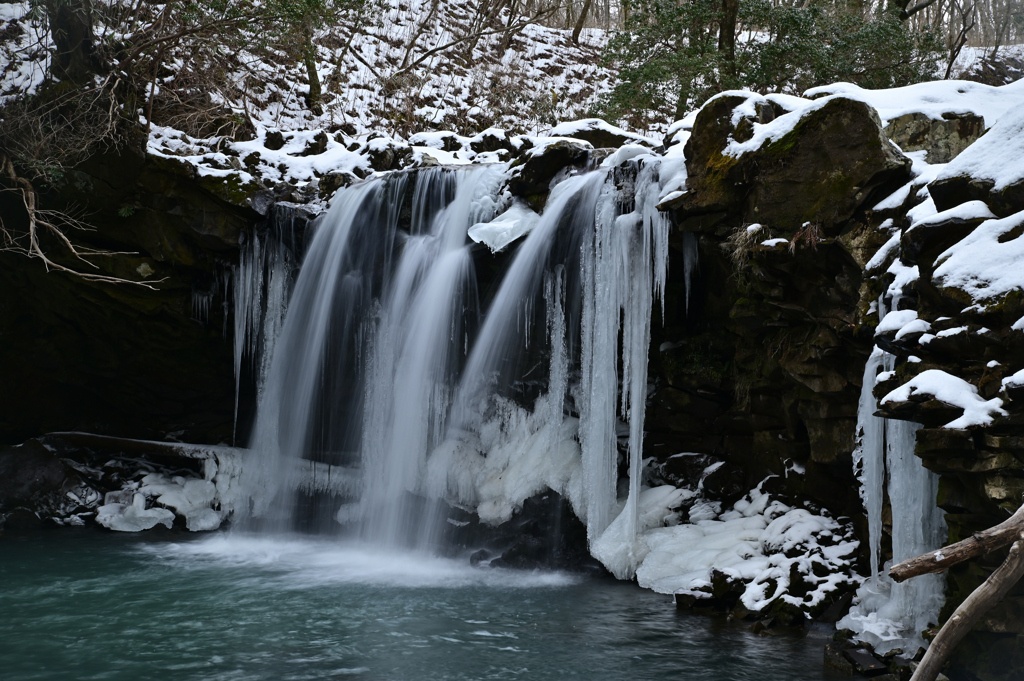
point(392, 362)
point(890, 615)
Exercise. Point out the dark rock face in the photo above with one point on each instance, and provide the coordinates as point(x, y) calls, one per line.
point(28, 473)
point(543, 534)
point(126, 359)
point(532, 178)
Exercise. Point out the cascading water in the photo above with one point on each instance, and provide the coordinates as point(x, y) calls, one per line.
point(890, 615)
point(391, 361)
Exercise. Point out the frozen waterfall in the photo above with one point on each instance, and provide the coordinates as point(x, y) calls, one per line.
point(397, 362)
point(890, 615)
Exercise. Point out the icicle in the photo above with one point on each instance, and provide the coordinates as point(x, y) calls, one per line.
point(558, 370)
point(691, 264)
point(892, 615)
point(869, 457)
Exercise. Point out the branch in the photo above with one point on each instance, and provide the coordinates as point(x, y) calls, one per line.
point(36, 222)
point(970, 611)
point(441, 48)
point(907, 13)
point(977, 544)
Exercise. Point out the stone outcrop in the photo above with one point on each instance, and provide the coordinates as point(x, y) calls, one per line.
point(126, 359)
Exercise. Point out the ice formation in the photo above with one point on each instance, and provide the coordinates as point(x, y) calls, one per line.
point(886, 614)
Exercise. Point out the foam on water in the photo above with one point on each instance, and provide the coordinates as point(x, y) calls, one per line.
point(309, 563)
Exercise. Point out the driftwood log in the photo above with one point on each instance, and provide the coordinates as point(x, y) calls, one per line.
point(977, 544)
point(981, 599)
point(970, 611)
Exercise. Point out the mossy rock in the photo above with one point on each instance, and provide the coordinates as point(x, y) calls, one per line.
point(833, 162)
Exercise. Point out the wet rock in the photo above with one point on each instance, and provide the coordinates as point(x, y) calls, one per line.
point(29, 472)
point(532, 177)
point(865, 662)
point(835, 658)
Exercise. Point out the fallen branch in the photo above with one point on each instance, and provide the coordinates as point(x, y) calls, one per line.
point(977, 544)
point(970, 611)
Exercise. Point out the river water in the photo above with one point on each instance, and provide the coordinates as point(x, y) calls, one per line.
point(90, 605)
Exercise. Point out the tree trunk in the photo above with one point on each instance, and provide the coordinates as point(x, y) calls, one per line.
point(315, 90)
point(977, 544)
point(579, 22)
point(71, 29)
point(727, 29)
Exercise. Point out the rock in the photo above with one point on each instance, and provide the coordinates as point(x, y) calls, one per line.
point(973, 176)
point(925, 241)
point(387, 154)
point(274, 140)
point(531, 179)
point(714, 182)
point(599, 133)
point(725, 484)
point(481, 556)
point(833, 162)
point(332, 182)
point(835, 659)
point(864, 662)
point(943, 138)
point(28, 472)
point(317, 145)
point(492, 139)
point(805, 184)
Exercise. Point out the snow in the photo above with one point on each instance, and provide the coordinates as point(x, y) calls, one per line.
point(756, 544)
point(765, 133)
point(982, 265)
point(1014, 381)
point(933, 99)
point(883, 254)
point(625, 153)
point(915, 326)
point(615, 547)
point(896, 320)
point(510, 460)
point(998, 156)
point(953, 391)
point(969, 210)
point(572, 128)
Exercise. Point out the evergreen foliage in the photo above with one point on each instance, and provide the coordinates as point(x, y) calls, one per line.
point(670, 59)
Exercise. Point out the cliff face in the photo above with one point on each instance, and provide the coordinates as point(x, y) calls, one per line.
point(140, 361)
point(798, 221)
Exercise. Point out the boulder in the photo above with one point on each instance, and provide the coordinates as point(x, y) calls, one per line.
point(532, 177)
point(833, 161)
point(28, 472)
point(943, 139)
point(809, 180)
point(599, 133)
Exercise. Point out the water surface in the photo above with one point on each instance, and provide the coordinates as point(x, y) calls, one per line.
point(90, 605)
